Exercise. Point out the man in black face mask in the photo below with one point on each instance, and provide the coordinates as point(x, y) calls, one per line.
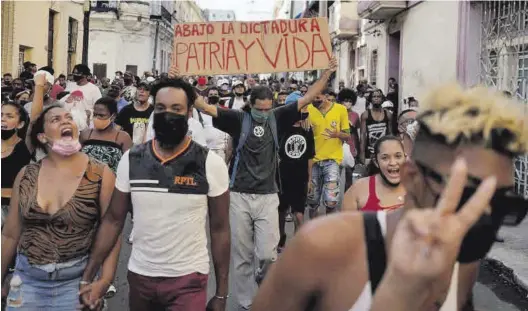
point(91, 92)
point(172, 241)
point(254, 199)
point(238, 101)
point(488, 132)
point(129, 91)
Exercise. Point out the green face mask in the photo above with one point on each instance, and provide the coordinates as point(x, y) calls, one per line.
point(259, 116)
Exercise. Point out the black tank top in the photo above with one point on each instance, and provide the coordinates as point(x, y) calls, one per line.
point(12, 164)
point(375, 130)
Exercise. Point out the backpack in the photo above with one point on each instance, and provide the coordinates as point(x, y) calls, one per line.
point(244, 133)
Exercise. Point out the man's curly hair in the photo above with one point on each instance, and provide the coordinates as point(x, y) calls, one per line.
point(478, 116)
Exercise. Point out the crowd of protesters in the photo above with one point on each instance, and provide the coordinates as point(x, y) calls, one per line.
point(245, 156)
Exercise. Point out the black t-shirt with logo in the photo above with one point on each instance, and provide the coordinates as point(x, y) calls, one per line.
point(297, 147)
point(134, 122)
point(258, 160)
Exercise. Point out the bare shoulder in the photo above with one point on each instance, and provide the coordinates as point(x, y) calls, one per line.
point(361, 184)
point(364, 115)
point(344, 230)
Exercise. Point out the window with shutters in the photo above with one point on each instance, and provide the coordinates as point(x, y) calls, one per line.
point(99, 70)
point(132, 68)
point(374, 67)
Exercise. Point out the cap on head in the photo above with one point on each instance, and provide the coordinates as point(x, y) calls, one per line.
point(293, 97)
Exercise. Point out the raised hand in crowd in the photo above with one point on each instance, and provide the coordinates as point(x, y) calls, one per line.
point(426, 244)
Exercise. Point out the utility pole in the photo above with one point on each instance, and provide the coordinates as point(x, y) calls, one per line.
point(323, 12)
point(86, 31)
point(155, 48)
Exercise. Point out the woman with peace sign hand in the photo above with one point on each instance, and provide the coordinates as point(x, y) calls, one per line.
point(426, 244)
point(426, 255)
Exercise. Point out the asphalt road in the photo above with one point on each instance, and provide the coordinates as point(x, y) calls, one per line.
point(491, 293)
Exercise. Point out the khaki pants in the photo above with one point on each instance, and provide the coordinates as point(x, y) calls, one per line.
point(254, 238)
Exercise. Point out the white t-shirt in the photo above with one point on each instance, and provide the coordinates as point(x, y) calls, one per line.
point(216, 139)
point(170, 236)
point(196, 130)
point(90, 92)
point(360, 106)
point(239, 103)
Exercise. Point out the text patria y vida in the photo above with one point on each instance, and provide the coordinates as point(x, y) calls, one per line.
point(234, 46)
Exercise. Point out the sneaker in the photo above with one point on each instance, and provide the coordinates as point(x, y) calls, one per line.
point(289, 217)
point(110, 292)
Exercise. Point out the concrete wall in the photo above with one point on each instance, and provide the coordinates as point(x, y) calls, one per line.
point(30, 29)
point(376, 39)
point(428, 46)
point(122, 42)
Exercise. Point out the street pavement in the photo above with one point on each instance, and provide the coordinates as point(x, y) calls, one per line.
point(491, 293)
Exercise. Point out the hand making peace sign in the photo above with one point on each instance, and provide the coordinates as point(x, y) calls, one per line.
point(427, 241)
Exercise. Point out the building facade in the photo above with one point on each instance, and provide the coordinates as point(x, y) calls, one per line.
point(219, 15)
point(128, 36)
point(426, 43)
point(47, 33)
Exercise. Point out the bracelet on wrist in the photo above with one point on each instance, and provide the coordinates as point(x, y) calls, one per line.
point(222, 297)
point(84, 282)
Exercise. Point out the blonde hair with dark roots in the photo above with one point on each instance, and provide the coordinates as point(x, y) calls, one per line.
point(476, 115)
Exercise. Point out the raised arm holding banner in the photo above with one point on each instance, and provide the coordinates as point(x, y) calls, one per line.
point(252, 47)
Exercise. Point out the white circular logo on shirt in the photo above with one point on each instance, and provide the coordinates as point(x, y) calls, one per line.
point(295, 146)
point(333, 124)
point(258, 131)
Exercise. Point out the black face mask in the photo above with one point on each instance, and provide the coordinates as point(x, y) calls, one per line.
point(238, 94)
point(213, 100)
point(376, 105)
point(8, 83)
point(127, 80)
point(23, 102)
point(506, 208)
point(479, 239)
point(6, 134)
point(170, 128)
point(77, 77)
point(317, 103)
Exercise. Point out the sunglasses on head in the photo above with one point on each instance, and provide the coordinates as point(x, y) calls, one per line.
point(513, 207)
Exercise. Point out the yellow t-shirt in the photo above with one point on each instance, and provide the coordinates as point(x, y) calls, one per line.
point(335, 119)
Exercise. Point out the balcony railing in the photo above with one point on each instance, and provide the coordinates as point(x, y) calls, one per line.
point(105, 6)
point(343, 21)
point(379, 10)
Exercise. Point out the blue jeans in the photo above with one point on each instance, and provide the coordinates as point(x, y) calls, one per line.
point(326, 176)
point(45, 287)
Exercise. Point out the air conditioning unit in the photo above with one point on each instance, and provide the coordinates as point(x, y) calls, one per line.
point(343, 21)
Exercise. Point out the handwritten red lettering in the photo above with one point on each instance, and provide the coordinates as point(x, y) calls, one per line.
point(179, 52)
point(296, 56)
point(314, 26)
point(302, 26)
point(231, 53)
point(213, 53)
point(287, 51)
point(246, 49)
point(272, 63)
point(319, 50)
point(192, 48)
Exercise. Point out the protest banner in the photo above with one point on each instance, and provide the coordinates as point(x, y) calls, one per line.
point(251, 47)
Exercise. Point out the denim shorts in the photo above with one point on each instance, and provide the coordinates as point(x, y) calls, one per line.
point(45, 287)
point(326, 176)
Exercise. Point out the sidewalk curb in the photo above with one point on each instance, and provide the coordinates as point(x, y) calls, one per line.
point(507, 275)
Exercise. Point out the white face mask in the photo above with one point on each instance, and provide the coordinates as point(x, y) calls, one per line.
point(348, 105)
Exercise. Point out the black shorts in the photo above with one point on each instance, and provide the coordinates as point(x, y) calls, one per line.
point(293, 195)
